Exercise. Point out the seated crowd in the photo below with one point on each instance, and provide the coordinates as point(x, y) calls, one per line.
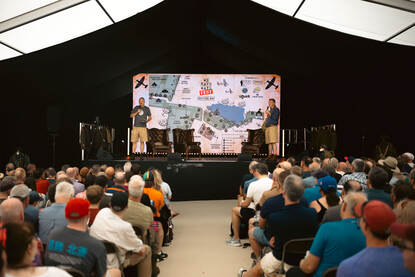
point(98, 221)
point(318, 217)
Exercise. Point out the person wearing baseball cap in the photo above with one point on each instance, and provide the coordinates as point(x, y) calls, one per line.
point(109, 226)
point(72, 246)
point(407, 233)
point(378, 258)
point(328, 190)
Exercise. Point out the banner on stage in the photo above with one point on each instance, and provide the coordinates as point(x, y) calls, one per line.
point(219, 107)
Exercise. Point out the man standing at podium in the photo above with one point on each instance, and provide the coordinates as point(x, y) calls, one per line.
point(141, 115)
point(271, 128)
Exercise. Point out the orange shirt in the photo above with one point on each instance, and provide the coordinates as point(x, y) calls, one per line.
point(157, 198)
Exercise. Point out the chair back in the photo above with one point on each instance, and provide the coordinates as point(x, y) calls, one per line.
point(296, 247)
point(158, 135)
point(256, 136)
point(181, 136)
point(72, 271)
point(330, 272)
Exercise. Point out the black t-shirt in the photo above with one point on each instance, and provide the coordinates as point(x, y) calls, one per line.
point(292, 222)
point(77, 249)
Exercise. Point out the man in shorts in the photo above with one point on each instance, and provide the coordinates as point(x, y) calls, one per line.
point(271, 127)
point(141, 115)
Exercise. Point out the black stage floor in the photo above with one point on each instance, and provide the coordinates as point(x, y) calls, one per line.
point(205, 179)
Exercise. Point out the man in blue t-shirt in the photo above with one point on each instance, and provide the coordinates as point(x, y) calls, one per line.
point(335, 241)
point(292, 222)
point(271, 124)
point(378, 258)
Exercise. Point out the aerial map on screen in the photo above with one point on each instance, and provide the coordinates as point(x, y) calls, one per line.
point(219, 107)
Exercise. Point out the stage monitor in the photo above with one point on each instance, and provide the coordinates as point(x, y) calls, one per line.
point(219, 107)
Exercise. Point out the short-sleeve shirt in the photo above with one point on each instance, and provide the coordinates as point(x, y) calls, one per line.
point(335, 242)
point(272, 120)
point(138, 214)
point(158, 199)
point(275, 204)
point(256, 189)
point(77, 249)
point(378, 194)
point(51, 217)
point(140, 119)
point(311, 194)
point(292, 222)
point(375, 261)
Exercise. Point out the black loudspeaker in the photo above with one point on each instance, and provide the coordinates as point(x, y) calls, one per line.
point(244, 157)
point(174, 158)
point(53, 118)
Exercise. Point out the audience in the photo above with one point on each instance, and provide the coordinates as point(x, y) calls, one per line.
point(407, 233)
point(6, 186)
point(378, 258)
point(118, 183)
point(328, 190)
point(377, 182)
point(21, 249)
point(54, 216)
point(94, 195)
point(334, 241)
point(20, 175)
point(293, 221)
point(246, 207)
point(305, 166)
point(247, 179)
point(285, 210)
point(31, 214)
point(72, 246)
point(333, 213)
point(72, 173)
point(357, 174)
point(260, 236)
point(109, 226)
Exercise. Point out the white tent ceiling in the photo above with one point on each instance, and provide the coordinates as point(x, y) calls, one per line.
point(30, 25)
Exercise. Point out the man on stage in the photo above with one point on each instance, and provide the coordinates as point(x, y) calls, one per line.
point(141, 115)
point(271, 128)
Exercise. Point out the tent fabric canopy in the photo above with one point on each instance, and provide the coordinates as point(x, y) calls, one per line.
point(28, 26)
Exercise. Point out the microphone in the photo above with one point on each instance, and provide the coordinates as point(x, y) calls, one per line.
point(268, 108)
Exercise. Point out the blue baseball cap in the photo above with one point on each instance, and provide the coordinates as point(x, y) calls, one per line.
point(327, 182)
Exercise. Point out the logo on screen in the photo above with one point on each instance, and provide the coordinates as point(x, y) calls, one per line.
point(205, 91)
point(205, 87)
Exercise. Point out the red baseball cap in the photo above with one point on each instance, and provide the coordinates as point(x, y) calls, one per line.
point(405, 231)
point(76, 208)
point(377, 215)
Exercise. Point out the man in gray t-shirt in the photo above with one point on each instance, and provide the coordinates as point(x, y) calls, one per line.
point(141, 115)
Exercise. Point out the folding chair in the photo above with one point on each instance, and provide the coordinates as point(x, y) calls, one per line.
point(330, 272)
point(295, 246)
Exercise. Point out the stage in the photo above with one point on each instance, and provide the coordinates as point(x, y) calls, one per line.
point(204, 179)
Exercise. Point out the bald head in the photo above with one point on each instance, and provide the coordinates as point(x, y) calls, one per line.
point(285, 165)
point(109, 172)
point(71, 172)
point(314, 166)
point(119, 178)
point(12, 210)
